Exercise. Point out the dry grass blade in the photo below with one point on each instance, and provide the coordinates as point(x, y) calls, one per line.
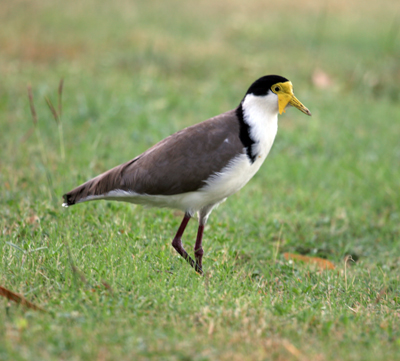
point(60, 90)
point(32, 105)
point(82, 277)
point(293, 350)
point(107, 286)
point(52, 109)
point(320, 262)
point(19, 299)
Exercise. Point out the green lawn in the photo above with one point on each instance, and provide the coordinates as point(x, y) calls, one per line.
point(135, 72)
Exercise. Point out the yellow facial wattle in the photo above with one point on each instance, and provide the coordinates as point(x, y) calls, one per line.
point(284, 91)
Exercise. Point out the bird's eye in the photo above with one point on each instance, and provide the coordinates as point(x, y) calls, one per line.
point(277, 89)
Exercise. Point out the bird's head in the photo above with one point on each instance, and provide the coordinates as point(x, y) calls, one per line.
point(277, 91)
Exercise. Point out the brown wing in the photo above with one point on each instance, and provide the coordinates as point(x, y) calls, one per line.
point(178, 164)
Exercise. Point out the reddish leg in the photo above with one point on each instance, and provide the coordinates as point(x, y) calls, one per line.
point(198, 249)
point(177, 243)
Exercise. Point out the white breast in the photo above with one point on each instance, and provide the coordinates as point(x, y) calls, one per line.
point(261, 113)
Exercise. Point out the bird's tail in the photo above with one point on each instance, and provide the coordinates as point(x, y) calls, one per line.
point(79, 194)
point(95, 188)
point(98, 188)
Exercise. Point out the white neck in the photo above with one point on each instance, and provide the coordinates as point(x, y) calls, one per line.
point(261, 114)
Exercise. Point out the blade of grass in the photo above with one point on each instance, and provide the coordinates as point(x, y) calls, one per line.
point(57, 118)
point(32, 105)
point(40, 143)
point(12, 296)
point(60, 90)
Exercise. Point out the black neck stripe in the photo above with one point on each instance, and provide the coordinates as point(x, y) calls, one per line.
point(244, 134)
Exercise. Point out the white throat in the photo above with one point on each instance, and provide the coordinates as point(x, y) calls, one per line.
point(261, 114)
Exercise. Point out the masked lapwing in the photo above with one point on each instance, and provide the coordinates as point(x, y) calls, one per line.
point(200, 166)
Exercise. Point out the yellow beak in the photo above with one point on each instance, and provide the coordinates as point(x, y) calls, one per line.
point(286, 96)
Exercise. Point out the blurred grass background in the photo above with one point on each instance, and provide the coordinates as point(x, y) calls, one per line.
point(135, 72)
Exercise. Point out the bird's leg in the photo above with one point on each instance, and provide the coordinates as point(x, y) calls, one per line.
point(177, 241)
point(198, 249)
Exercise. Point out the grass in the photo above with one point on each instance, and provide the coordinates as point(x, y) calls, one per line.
point(133, 73)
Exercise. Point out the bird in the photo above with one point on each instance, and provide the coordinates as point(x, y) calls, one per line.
point(199, 167)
